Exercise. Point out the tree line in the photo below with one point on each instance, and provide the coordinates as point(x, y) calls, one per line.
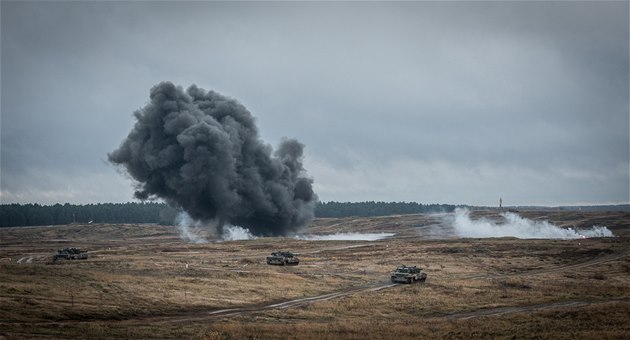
point(15, 215)
point(371, 208)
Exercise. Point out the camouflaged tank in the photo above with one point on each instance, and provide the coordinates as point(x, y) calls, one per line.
point(283, 258)
point(70, 254)
point(405, 274)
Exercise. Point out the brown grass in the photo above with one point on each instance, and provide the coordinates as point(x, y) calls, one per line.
point(136, 285)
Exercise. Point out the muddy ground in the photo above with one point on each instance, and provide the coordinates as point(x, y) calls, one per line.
point(143, 281)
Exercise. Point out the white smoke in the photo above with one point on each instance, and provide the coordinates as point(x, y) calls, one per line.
point(519, 227)
point(236, 233)
point(189, 229)
point(194, 231)
point(346, 237)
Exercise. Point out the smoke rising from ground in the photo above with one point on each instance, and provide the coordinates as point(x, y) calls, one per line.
point(189, 230)
point(236, 233)
point(199, 232)
point(520, 227)
point(200, 151)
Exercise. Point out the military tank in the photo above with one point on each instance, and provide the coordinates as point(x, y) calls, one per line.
point(70, 254)
point(283, 258)
point(408, 274)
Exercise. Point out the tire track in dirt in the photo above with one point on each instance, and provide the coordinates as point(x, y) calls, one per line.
point(554, 269)
point(235, 311)
point(487, 312)
point(230, 312)
point(498, 311)
point(25, 259)
point(466, 315)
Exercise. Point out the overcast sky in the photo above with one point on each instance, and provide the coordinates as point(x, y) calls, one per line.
point(434, 102)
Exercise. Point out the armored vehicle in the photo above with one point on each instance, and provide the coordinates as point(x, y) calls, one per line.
point(283, 258)
point(407, 274)
point(71, 254)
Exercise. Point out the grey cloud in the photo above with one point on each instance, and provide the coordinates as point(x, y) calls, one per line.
point(535, 86)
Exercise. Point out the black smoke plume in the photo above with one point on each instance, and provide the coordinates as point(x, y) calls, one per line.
point(200, 151)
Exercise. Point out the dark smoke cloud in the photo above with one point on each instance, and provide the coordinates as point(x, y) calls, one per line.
point(200, 151)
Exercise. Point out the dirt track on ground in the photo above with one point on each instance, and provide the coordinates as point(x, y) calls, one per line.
point(160, 287)
point(522, 309)
point(238, 311)
point(555, 269)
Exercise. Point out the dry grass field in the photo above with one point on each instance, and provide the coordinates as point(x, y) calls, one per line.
point(142, 281)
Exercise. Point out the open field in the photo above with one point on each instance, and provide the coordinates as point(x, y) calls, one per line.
point(142, 281)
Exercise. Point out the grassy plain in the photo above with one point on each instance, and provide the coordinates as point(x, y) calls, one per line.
point(142, 281)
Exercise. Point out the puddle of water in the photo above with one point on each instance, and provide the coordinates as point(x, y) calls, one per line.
point(346, 237)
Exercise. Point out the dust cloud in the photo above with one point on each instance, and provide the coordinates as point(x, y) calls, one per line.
point(514, 225)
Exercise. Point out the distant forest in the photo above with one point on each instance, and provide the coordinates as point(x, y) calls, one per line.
point(13, 215)
point(371, 208)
